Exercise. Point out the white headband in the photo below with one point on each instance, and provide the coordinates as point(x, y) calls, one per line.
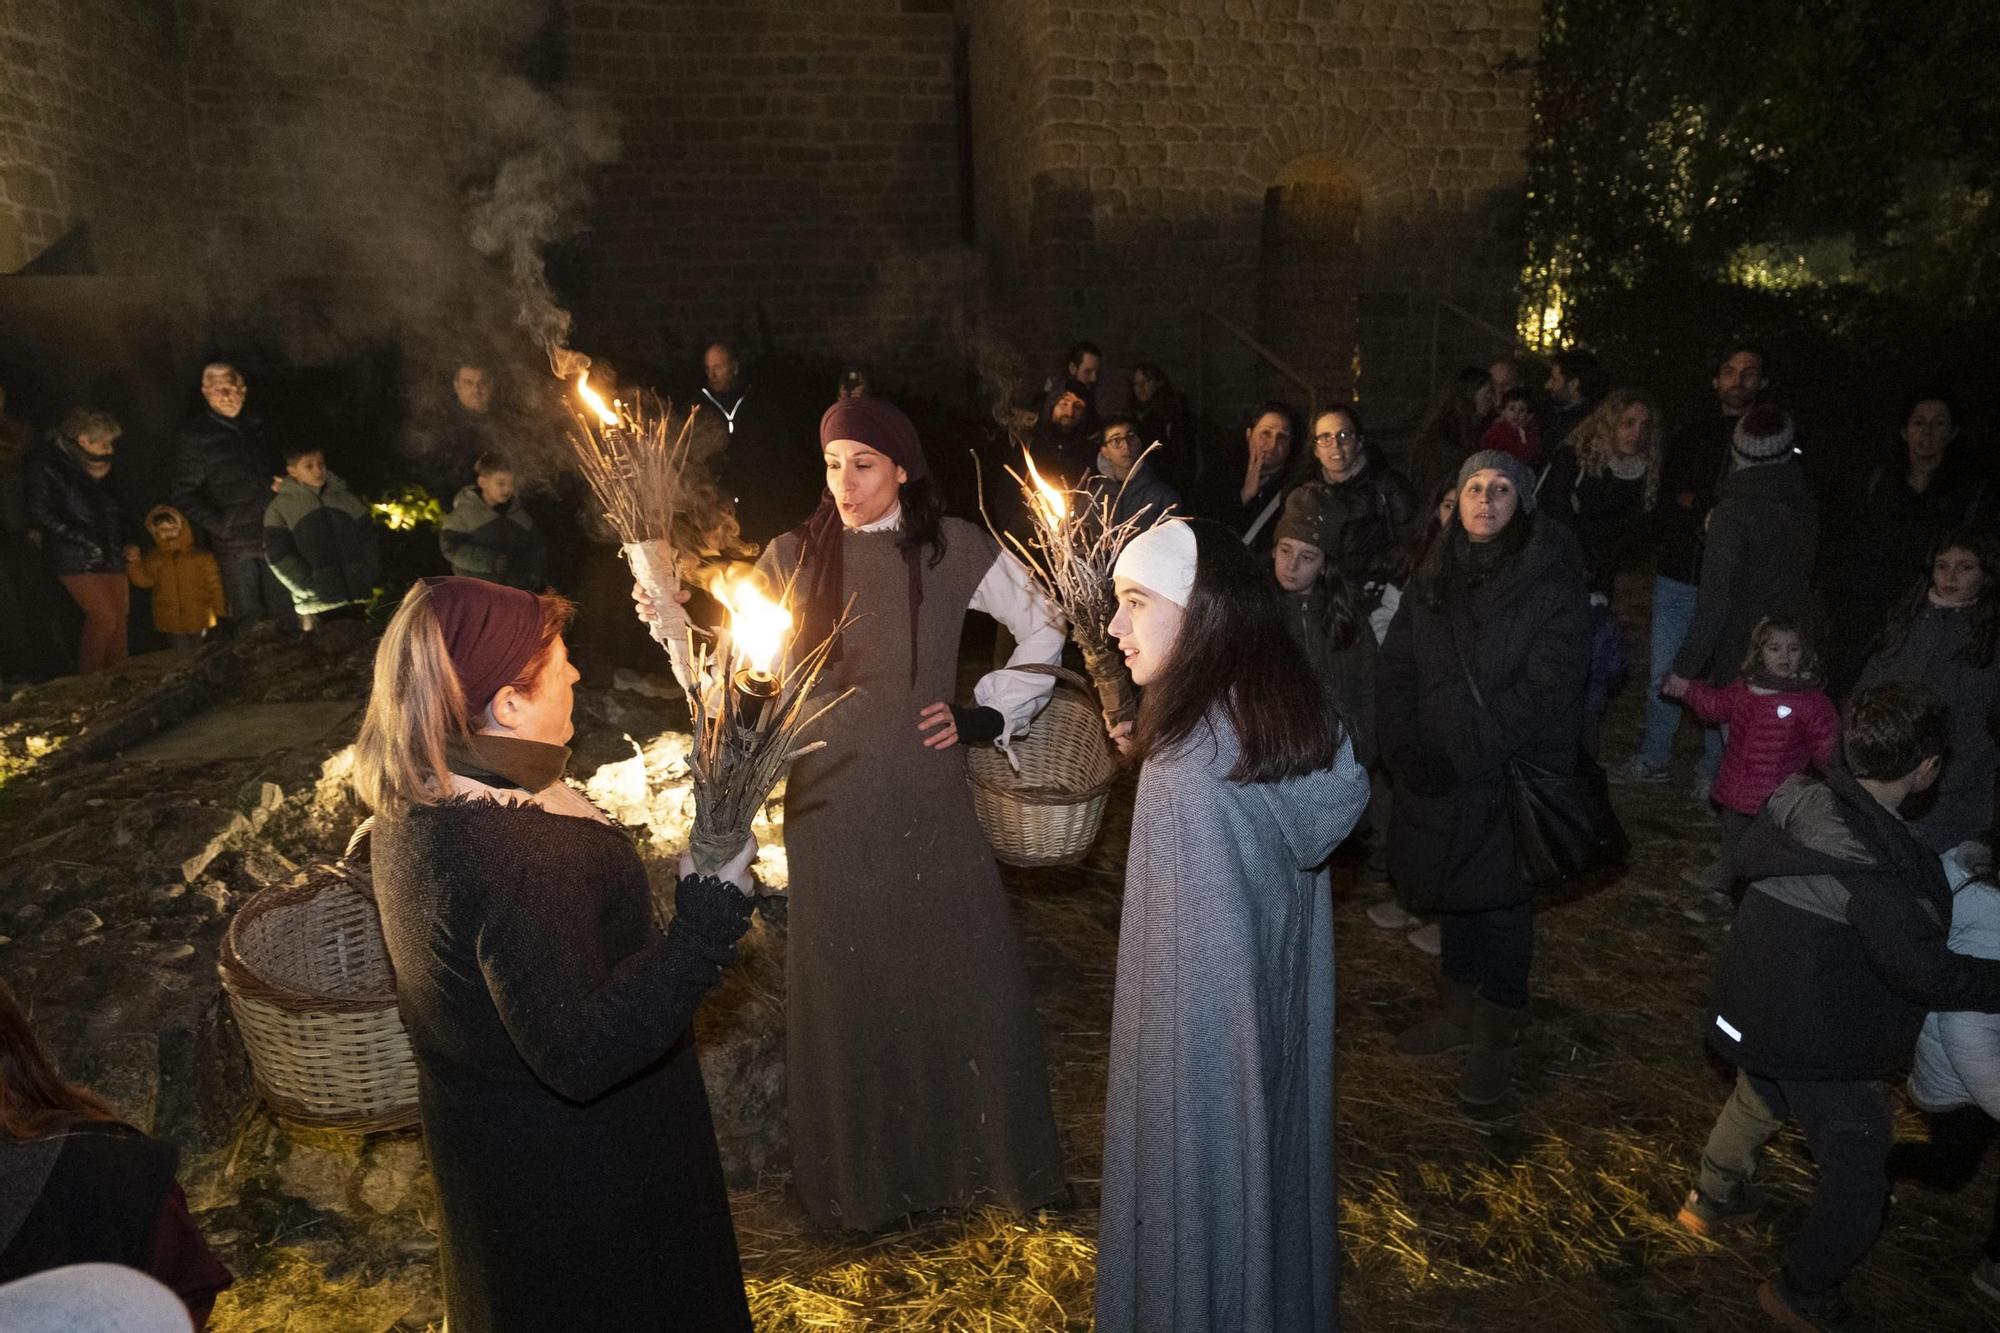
point(1161, 559)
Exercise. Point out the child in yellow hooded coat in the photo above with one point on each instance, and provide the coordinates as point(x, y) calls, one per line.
point(186, 583)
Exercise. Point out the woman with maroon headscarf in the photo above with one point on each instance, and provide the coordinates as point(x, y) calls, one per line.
point(568, 1130)
point(913, 1055)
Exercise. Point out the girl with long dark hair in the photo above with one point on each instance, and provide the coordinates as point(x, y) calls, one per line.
point(914, 1071)
point(78, 1185)
point(1943, 634)
point(1485, 662)
point(1222, 1030)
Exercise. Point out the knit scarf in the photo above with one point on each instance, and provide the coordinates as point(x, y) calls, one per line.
point(821, 563)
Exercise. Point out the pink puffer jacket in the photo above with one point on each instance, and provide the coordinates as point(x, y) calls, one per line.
point(1771, 737)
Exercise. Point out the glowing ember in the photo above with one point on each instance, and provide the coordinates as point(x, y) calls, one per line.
point(597, 405)
point(1050, 499)
point(758, 625)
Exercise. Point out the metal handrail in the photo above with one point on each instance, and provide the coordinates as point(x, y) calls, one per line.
point(1263, 353)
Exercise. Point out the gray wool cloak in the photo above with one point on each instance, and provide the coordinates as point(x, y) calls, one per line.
point(1217, 1210)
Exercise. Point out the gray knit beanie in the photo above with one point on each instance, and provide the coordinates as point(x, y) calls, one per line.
point(1763, 435)
point(1513, 468)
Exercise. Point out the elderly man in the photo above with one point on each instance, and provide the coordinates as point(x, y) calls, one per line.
point(466, 430)
point(225, 472)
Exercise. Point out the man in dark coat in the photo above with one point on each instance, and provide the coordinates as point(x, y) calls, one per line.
point(1128, 480)
point(1367, 516)
point(1697, 458)
point(772, 478)
point(1762, 536)
point(1837, 953)
point(225, 473)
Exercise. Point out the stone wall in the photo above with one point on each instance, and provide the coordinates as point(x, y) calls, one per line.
point(789, 174)
point(90, 108)
point(1150, 135)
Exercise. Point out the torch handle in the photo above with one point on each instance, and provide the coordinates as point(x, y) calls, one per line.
point(1116, 696)
point(654, 565)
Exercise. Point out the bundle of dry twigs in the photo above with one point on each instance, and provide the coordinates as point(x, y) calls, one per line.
point(1071, 546)
point(743, 743)
point(635, 463)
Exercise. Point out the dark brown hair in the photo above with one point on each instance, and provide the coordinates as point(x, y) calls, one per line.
point(1234, 652)
point(1887, 730)
point(1984, 613)
point(34, 1098)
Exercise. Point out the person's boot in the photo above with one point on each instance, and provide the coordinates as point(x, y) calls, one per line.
point(1449, 1029)
point(1489, 1068)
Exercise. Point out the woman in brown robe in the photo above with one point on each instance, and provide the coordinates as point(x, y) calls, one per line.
point(914, 1067)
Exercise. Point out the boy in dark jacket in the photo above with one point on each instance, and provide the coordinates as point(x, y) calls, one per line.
point(489, 534)
point(1838, 951)
point(320, 539)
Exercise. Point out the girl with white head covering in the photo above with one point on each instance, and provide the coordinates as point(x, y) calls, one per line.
point(1217, 1209)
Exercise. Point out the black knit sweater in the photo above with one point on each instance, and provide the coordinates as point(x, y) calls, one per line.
point(562, 1101)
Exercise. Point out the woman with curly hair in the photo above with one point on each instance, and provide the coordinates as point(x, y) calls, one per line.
point(1603, 485)
point(1943, 634)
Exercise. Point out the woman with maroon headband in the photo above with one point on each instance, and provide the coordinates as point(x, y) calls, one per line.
point(913, 1055)
point(563, 1110)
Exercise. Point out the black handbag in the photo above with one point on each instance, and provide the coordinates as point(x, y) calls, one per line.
point(1564, 825)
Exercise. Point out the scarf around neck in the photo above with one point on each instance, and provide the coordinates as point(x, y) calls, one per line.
point(506, 761)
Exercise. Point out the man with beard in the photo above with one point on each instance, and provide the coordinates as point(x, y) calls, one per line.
point(225, 472)
point(1697, 459)
point(738, 433)
point(1062, 441)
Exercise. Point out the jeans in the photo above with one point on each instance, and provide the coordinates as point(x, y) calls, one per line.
point(1673, 613)
point(1848, 1128)
point(252, 591)
point(1490, 950)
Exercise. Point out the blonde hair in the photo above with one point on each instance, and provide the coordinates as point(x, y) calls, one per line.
point(1768, 628)
point(415, 708)
point(416, 705)
point(1595, 439)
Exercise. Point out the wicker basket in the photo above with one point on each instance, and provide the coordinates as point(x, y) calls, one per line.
point(308, 980)
point(1048, 813)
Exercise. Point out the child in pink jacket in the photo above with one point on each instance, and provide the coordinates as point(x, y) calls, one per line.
point(1779, 722)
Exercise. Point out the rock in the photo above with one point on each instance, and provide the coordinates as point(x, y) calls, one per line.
point(125, 1071)
point(72, 925)
point(6, 939)
point(175, 956)
point(320, 1174)
point(214, 895)
point(29, 913)
point(265, 866)
point(392, 1167)
point(202, 837)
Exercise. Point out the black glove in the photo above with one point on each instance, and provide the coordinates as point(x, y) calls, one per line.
point(1424, 772)
point(977, 725)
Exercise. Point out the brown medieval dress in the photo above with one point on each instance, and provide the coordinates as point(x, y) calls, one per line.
point(914, 1066)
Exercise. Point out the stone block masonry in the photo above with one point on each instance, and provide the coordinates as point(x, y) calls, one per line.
point(1145, 140)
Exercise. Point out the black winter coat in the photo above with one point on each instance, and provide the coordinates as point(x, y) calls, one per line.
point(1607, 513)
point(222, 481)
point(1839, 948)
point(1525, 633)
point(83, 529)
point(1936, 650)
point(1696, 460)
point(1368, 519)
point(563, 1108)
point(1762, 536)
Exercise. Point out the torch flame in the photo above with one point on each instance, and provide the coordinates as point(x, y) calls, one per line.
point(1049, 499)
point(757, 625)
point(589, 396)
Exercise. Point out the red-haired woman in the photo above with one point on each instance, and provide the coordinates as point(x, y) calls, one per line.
point(77, 1185)
point(563, 1109)
point(1217, 1209)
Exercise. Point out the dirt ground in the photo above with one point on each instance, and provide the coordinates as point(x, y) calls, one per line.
point(1553, 1214)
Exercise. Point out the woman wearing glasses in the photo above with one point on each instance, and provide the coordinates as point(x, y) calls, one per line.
point(1366, 505)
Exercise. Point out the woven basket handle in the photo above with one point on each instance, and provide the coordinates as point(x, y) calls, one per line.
point(1063, 674)
point(358, 848)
